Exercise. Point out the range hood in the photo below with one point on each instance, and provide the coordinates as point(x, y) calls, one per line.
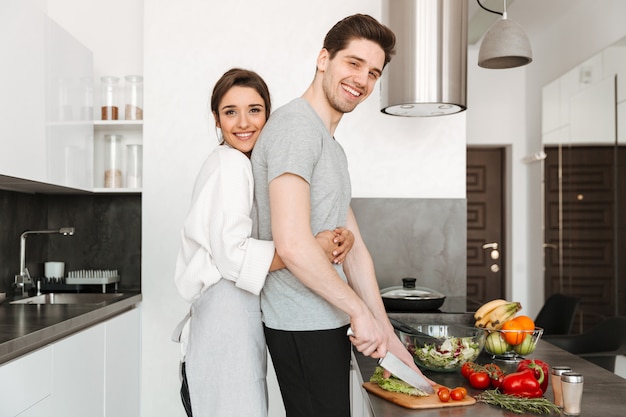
point(428, 74)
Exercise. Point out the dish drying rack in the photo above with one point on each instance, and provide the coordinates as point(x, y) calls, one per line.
point(93, 277)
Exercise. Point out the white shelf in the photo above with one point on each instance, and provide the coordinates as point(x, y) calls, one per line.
point(102, 190)
point(116, 125)
point(132, 132)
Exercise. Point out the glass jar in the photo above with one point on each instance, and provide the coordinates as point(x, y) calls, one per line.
point(113, 161)
point(134, 155)
point(86, 105)
point(109, 97)
point(134, 97)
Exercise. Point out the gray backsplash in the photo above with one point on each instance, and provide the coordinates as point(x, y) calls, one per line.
point(420, 238)
point(107, 236)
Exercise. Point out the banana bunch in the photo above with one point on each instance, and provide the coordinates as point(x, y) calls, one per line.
point(493, 314)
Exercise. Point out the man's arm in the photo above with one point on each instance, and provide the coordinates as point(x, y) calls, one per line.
point(290, 209)
point(359, 269)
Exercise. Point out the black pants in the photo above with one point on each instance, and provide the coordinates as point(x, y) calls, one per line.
point(184, 391)
point(313, 371)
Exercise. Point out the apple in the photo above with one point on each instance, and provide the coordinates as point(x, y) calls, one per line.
point(495, 344)
point(527, 346)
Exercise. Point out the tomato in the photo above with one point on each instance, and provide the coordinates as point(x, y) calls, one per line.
point(444, 395)
point(495, 374)
point(467, 369)
point(496, 380)
point(458, 394)
point(480, 380)
point(443, 389)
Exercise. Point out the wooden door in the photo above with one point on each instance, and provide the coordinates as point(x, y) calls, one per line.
point(485, 224)
point(584, 221)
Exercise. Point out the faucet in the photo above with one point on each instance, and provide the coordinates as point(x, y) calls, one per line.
point(23, 279)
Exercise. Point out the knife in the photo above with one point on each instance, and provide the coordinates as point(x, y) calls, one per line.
point(402, 371)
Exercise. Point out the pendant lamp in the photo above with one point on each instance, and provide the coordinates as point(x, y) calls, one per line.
point(505, 45)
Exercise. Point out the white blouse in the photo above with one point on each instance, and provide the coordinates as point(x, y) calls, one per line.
point(216, 236)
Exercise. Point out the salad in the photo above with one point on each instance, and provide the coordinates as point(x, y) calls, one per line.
point(450, 354)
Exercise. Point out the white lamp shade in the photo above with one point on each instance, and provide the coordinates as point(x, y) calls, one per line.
point(505, 45)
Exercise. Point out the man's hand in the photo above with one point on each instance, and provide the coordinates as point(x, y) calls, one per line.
point(401, 352)
point(368, 337)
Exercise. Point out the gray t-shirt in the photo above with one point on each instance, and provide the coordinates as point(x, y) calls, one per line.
point(295, 141)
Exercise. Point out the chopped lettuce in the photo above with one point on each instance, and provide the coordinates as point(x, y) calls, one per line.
point(453, 352)
point(394, 384)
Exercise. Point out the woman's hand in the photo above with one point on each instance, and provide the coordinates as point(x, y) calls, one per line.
point(336, 243)
point(344, 239)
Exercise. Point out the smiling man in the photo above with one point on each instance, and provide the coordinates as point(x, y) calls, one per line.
point(302, 186)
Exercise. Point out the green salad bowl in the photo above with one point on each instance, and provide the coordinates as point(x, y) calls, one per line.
point(443, 348)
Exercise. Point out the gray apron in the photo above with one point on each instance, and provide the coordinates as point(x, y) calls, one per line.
point(226, 359)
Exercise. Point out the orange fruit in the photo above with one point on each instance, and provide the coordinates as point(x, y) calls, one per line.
point(513, 332)
point(526, 323)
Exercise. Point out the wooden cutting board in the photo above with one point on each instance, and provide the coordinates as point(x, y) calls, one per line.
point(413, 402)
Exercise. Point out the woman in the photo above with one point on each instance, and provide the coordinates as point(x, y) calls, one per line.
point(221, 269)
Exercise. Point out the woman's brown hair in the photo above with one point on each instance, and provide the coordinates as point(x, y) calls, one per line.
point(240, 78)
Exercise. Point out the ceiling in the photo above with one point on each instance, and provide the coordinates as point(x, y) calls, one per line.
point(532, 15)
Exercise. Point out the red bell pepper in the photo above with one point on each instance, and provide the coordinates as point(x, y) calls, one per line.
point(541, 370)
point(522, 384)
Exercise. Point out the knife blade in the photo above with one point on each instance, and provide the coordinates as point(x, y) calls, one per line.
point(402, 371)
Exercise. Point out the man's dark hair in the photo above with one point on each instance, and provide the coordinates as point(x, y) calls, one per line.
point(360, 26)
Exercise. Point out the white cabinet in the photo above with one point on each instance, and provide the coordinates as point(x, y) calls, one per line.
point(26, 382)
point(78, 381)
point(593, 114)
point(22, 102)
point(359, 401)
point(122, 361)
point(94, 372)
point(69, 110)
point(46, 132)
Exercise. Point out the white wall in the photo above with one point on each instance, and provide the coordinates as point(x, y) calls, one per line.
point(496, 117)
point(188, 45)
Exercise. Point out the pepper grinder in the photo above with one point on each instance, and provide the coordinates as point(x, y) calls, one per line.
point(572, 388)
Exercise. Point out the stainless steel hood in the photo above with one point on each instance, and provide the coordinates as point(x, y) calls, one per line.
point(428, 74)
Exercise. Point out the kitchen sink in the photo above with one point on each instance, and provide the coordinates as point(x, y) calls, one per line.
point(69, 298)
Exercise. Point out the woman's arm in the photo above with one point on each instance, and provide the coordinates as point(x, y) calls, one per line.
point(336, 244)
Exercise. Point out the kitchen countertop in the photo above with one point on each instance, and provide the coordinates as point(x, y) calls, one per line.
point(26, 327)
point(603, 391)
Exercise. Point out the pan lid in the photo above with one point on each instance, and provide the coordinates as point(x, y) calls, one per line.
point(408, 291)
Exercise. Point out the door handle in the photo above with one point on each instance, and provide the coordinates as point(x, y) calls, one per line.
point(495, 254)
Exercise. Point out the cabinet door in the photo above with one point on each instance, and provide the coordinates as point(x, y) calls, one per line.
point(123, 357)
point(69, 110)
point(78, 387)
point(22, 102)
point(26, 382)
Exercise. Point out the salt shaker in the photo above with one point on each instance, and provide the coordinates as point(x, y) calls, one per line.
point(557, 371)
point(572, 388)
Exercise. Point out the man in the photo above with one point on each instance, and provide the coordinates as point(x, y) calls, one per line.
point(302, 186)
